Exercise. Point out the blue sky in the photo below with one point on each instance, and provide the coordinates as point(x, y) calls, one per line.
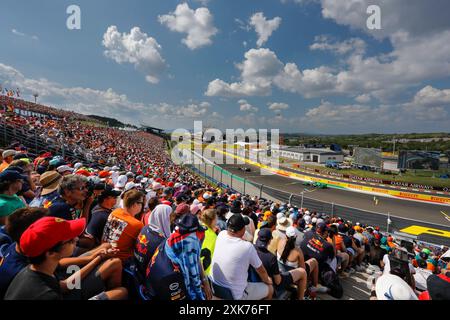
point(317, 68)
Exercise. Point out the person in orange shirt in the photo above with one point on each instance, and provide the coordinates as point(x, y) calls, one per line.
point(122, 228)
point(8, 157)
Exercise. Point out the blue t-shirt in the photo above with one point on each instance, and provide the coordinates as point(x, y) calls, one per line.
point(11, 263)
point(5, 239)
point(60, 209)
point(97, 223)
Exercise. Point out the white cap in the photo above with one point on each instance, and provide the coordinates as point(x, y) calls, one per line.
point(291, 210)
point(307, 219)
point(62, 169)
point(291, 232)
point(115, 168)
point(130, 185)
point(107, 169)
point(121, 181)
point(157, 186)
point(320, 221)
point(314, 220)
point(77, 165)
point(195, 201)
point(391, 287)
point(206, 196)
point(177, 185)
point(144, 180)
point(280, 215)
point(307, 213)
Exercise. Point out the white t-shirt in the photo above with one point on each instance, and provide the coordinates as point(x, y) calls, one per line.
point(230, 263)
point(421, 277)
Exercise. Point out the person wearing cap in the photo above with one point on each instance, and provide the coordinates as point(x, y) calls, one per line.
point(281, 280)
point(394, 256)
point(121, 182)
point(99, 215)
point(8, 157)
point(71, 202)
point(290, 257)
point(232, 259)
point(122, 228)
point(181, 251)
point(46, 242)
point(236, 208)
point(13, 261)
point(438, 287)
point(64, 170)
point(10, 184)
point(48, 191)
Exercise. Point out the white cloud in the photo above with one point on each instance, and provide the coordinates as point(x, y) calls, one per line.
point(106, 102)
point(363, 98)
point(353, 45)
point(198, 25)
point(136, 48)
point(278, 106)
point(21, 34)
point(246, 107)
point(263, 27)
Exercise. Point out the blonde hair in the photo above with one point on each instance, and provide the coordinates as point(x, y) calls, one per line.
point(208, 216)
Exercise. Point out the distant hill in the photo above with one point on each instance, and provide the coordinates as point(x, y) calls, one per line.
point(111, 122)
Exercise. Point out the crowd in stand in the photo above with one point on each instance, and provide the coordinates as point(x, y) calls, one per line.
point(133, 225)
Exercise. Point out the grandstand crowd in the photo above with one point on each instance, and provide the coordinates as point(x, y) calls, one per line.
point(124, 222)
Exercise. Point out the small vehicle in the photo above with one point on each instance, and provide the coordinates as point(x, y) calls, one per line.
point(245, 169)
point(320, 185)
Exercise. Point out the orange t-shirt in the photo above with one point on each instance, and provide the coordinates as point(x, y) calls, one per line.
point(3, 166)
point(122, 229)
point(339, 240)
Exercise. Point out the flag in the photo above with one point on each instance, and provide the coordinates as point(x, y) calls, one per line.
point(9, 108)
point(18, 93)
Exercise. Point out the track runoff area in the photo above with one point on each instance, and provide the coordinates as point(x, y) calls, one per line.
point(411, 219)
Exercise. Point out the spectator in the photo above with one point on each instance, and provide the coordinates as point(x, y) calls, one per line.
point(122, 228)
point(49, 183)
point(100, 214)
point(282, 281)
point(232, 259)
point(8, 157)
point(290, 258)
point(72, 193)
point(391, 287)
point(13, 261)
point(10, 184)
point(280, 233)
point(45, 243)
point(209, 219)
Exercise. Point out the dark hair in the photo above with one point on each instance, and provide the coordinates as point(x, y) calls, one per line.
point(21, 219)
point(152, 203)
point(290, 245)
point(271, 221)
point(247, 211)
point(41, 258)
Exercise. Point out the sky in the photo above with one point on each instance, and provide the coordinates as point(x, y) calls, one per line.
point(310, 66)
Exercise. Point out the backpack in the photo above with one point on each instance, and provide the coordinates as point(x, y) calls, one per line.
point(331, 280)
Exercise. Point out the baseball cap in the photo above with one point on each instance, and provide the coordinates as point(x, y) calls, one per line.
point(64, 168)
point(157, 186)
point(188, 223)
point(322, 227)
point(121, 181)
point(439, 287)
point(130, 185)
point(291, 232)
point(77, 165)
point(8, 153)
point(10, 175)
point(237, 222)
point(182, 208)
point(391, 287)
point(264, 237)
point(49, 181)
point(47, 232)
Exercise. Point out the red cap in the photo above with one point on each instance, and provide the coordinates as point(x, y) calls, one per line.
point(47, 232)
point(170, 184)
point(104, 174)
point(83, 172)
point(159, 180)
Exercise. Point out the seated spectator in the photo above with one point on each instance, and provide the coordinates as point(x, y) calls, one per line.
point(438, 287)
point(392, 287)
point(177, 260)
point(8, 157)
point(45, 243)
point(397, 255)
point(10, 184)
point(70, 203)
point(28, 187)
point(48, 191)
point(290, 258)
point(282, 281)
point(151, 236)
point(122, 228)
point(232, 259)
point(99, 216)
point(12, 261)
point(279, 233)
point(421, 275)
point(209, 220)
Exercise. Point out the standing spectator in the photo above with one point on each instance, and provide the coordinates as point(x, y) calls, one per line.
point(122, 228)
point(232, 259)
point(209, 219)
point(10, 184)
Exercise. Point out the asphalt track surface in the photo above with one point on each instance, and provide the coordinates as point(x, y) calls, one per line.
point(403, 213)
